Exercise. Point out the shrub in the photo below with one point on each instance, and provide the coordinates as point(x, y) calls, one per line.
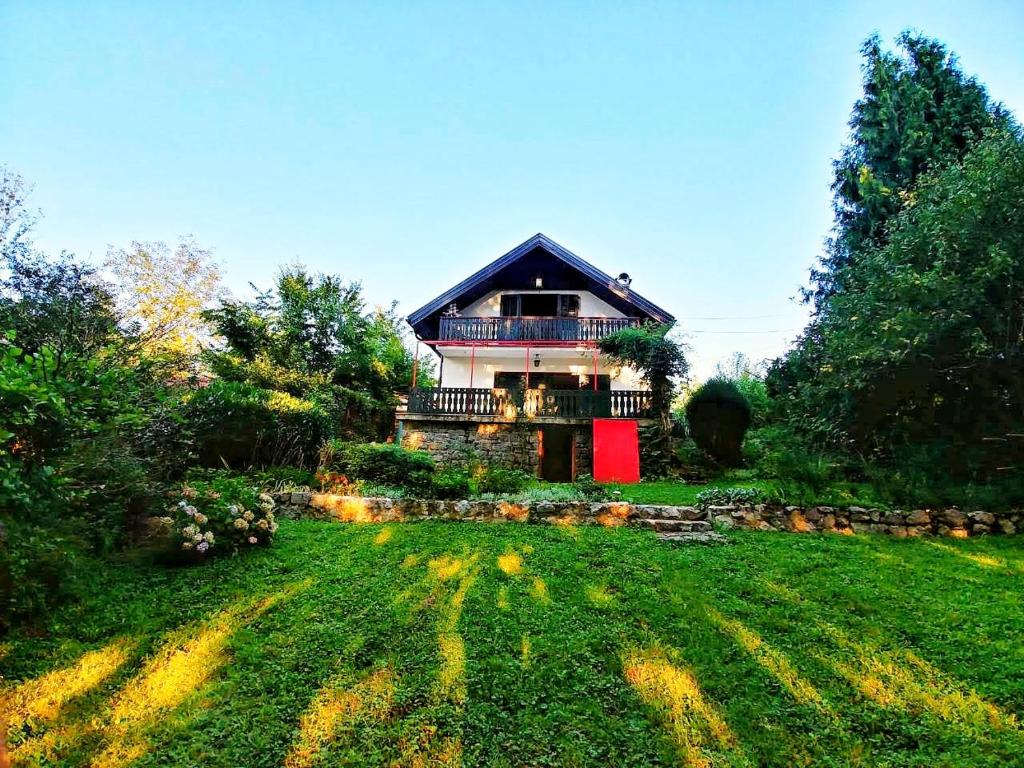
point(284, 478)
point(384, 464)
point(787, 459)
point(721, 496)
point(451, 483)
point(241, 426)
point(587, 488)
point(499, 480)
point(718, 416)
point(36, 569)
point(221, 516)
point(656, 454)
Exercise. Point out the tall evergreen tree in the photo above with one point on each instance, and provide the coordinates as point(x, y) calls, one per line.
point(918, 111)
point(913, 354)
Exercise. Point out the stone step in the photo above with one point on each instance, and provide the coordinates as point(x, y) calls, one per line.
point(703, 537)
point(675, 526)
point(661, 512)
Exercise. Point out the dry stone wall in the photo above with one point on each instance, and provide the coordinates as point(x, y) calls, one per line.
point(918, 522)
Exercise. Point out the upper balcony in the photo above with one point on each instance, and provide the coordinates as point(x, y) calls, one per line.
point(526, 329)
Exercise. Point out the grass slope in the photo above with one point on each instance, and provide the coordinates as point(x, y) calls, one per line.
point(507, 645)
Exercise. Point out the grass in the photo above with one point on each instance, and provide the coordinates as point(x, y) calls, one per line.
point(677, 492)
point(508, 645)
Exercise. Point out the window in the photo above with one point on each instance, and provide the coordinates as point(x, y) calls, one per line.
point(569, 305)
point(540, 305)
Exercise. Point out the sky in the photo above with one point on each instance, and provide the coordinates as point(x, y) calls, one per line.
point(407, 144)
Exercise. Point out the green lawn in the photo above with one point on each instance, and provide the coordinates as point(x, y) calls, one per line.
point(685, 494)
point(508, 645)
point(676, 492)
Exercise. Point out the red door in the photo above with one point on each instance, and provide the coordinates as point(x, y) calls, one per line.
point(616, 451)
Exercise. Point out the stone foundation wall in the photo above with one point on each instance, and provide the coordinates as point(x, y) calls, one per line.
point(507, 445)
point(918, 522)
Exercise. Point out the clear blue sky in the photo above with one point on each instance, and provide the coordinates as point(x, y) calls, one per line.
point(407, 144)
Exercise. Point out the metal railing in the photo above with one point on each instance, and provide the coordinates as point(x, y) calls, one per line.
point(532, 328)
point(530, 403)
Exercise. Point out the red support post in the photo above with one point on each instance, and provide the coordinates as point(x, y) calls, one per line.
point(415, 364)
point(472, 364)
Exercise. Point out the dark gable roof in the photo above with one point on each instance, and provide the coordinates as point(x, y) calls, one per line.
point(424, 319)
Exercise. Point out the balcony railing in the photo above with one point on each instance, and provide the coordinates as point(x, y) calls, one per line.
point(531, 403)
point(532, 328)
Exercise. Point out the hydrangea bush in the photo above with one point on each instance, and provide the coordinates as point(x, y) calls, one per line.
point(221, 516)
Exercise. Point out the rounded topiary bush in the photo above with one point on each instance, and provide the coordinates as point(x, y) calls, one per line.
point(718, 416)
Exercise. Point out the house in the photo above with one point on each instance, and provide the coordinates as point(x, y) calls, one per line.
point(522, 381)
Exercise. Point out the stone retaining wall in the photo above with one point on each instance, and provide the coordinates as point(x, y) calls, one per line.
point(326, 506)
point(918, 522)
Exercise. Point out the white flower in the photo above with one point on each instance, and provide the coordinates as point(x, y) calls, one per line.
point(187, 545)
point(241, 524)
point(201, 519)
point(189, 530)
point(182, 504)
point(273, 527)
point(203, 546)
point(266, 498)
point(233, 509)
point(198, 538)
point(248, 515)
point(262, 524)
point(209, 537)
point(253, 540)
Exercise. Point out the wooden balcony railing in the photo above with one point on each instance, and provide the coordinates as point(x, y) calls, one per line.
point(530, 403)
point(532, 328)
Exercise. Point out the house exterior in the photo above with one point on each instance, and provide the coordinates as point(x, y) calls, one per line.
point(522, 382)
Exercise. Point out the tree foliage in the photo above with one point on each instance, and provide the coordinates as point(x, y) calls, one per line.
point(918, 112)
point(660, 361)
point(718, 416)
point(912, 360)
point(312, 336)
point(164, 292)
point(924, 358)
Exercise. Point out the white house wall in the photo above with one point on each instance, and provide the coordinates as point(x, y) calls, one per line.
point(456, 370)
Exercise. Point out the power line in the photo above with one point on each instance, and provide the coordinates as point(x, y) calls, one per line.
point(738, 317)
point(706, 330)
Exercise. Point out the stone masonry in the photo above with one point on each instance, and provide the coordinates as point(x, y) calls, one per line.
point(666, 519)
point(511, 445)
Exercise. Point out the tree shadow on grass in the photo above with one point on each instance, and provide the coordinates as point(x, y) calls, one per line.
point(877, 690)
point(120, 731)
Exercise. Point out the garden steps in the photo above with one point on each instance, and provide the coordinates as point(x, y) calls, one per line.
point(697, 537)
point(665, 525)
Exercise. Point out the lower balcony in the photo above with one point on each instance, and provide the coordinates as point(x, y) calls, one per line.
point(512, 404)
